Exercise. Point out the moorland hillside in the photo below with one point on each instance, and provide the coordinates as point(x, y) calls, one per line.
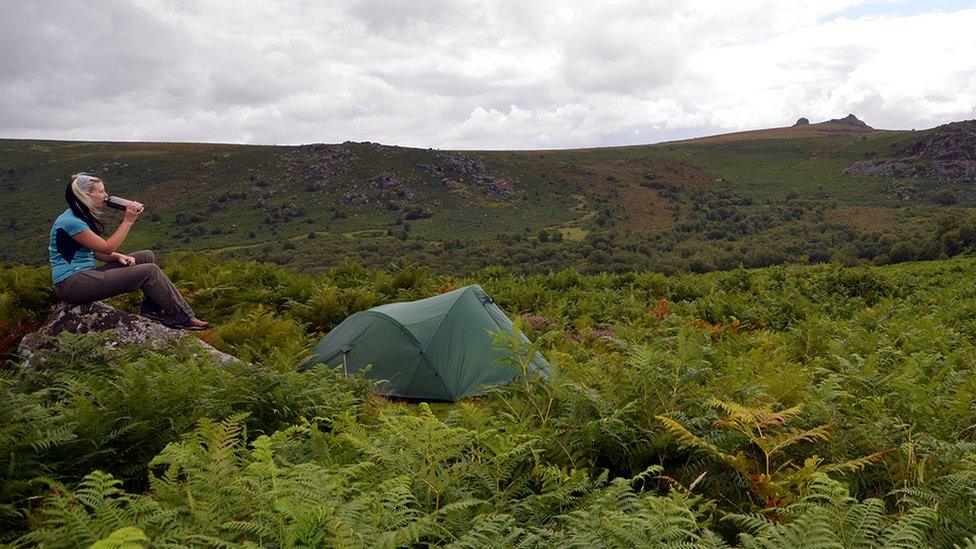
point(837, 190)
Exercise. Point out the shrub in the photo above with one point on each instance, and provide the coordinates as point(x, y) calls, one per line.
point(258, 334)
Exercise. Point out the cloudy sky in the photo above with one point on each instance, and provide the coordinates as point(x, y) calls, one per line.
point(506, 74)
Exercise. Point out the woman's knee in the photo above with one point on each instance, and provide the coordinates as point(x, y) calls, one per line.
point(146, 270)
point(144, 256)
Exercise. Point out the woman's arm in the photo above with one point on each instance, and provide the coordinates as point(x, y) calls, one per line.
point(116, 256)
point(107, 257)
point(108, 246)
point(101, 245)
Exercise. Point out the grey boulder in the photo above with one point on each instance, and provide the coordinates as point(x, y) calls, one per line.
point(126, 329)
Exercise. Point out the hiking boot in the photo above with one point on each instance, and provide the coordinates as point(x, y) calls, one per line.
point(191, 324)
point(153, 316)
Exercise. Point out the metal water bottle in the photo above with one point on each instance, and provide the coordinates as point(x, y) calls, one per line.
point(118, 203)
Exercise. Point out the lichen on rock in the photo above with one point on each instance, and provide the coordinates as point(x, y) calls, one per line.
point(96, 317)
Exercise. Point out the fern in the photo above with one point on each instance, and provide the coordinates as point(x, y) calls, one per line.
point(717, 409)
point(492, 530)
point(970, 543)
point(829, 517)
point(128, 537)
point(771, 478)
point(98, 511)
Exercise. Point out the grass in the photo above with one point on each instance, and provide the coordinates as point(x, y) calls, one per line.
point(572, 233)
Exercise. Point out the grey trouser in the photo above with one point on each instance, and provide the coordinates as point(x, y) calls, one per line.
point(162, 299)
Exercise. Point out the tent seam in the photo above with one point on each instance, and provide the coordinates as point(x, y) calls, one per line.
point(443, 318)
point(423, 352)
point(396, 323)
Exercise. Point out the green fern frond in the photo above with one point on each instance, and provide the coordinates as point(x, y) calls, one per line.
point(490, 530)
point(753, 522)
point(853, 464)
point(773, 443)
point(970, 543)
point(687, 438)
point(910, 531)
point(862, 524)
point(97, 487)
point(128, 537)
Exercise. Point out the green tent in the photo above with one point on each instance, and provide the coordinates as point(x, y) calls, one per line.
point(439, 348)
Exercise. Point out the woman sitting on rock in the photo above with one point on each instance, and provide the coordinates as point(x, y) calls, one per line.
point(76, 243)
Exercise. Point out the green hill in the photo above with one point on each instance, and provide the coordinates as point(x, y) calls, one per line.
point(807, 193)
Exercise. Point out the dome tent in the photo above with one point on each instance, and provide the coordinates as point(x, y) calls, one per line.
point(439, 348)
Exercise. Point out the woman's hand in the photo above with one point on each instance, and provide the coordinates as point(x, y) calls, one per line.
point(126, 260)
point(132, 212)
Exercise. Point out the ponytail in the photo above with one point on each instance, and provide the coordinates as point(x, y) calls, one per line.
point(80, 203)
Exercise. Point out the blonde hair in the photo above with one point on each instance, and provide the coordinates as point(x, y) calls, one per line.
point(81, 183)
point(76, 194)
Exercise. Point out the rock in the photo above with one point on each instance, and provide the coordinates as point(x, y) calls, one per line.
point(456, 167)
point(946, 153)
point(954, 142)
point(802, 122)
point(98, 317)
point(849, 120)
point(905, 193)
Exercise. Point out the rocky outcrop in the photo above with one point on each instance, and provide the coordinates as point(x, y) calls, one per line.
point(316, 166)
point(946, 153)
point(455, 167)
point(97, 317)
point(953, 142)
point(849, 120)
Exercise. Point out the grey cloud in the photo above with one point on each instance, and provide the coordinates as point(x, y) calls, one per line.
point(84, 50)
point(603, 64)
point(624, 50)
point(257, 83)
point(494, 74)
point(396, 16)
point(84, 70)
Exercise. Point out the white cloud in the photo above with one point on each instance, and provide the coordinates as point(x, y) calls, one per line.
point(473, 74)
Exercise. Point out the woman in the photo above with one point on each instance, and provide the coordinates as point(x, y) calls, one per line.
point(76, 243)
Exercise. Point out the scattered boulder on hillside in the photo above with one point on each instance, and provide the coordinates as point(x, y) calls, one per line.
point(802, 121)
point(391, 187)
point(947, 153)
point(97, 317)
point(455, 167)
point(905, 193)
point(849, 120)
point(108, 167)
point(885, 167)
point(385, 189)
point(379, 147)
point(290, 209)
point(355, 197)
point(437, 171)
point(316, 164)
